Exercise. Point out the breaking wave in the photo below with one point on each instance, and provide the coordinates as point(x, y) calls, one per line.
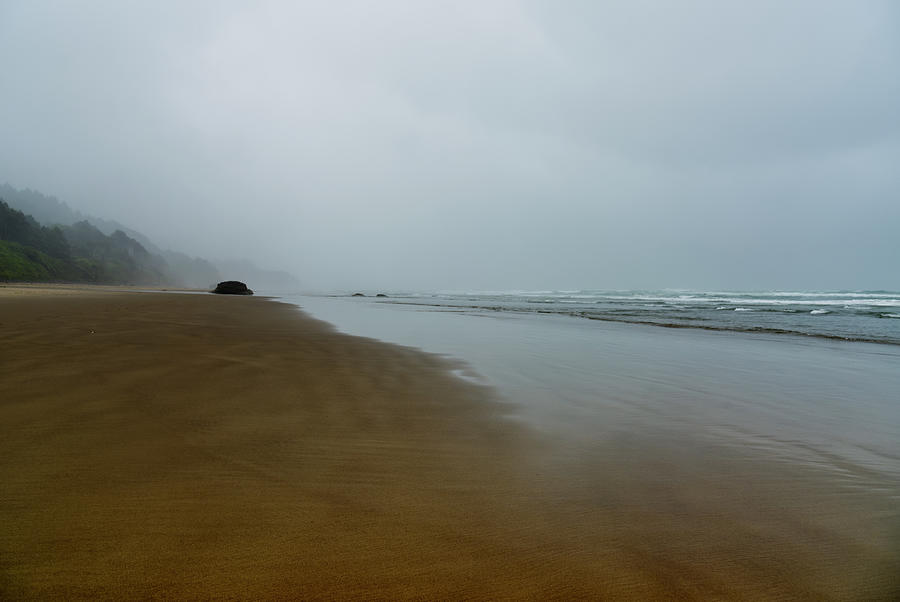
point(843, 315)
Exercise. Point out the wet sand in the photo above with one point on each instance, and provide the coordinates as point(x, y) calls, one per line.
point(200, 446)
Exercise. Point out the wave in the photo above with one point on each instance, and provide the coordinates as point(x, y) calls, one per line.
point(684, 294)
point(837, 317)
point(777, 299)
point(753, 329)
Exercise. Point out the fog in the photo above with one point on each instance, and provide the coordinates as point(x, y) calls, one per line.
point(473, 145)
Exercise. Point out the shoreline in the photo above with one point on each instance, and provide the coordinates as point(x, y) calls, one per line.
point(211, 446)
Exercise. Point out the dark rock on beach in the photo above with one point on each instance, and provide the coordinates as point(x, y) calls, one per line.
point(357, 295)
point(381, 295)
point(232, 287)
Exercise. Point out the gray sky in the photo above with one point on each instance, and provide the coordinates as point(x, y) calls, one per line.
point(484, 144)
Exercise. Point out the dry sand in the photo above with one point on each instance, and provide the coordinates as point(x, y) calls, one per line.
point(200, 446)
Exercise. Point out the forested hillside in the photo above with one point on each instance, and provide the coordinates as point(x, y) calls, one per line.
point(76, 253)
point(43, 239)
point(98, 250)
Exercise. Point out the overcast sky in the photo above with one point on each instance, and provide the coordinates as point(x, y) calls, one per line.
point(482, 145)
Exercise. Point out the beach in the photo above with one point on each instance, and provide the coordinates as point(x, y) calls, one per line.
point(165, 445)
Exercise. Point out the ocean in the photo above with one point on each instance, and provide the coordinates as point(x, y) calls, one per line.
point(872, 316)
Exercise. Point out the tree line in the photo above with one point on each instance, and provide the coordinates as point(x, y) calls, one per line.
point(78, 252)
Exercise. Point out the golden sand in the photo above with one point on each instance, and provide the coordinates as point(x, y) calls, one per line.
point(201, 446)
